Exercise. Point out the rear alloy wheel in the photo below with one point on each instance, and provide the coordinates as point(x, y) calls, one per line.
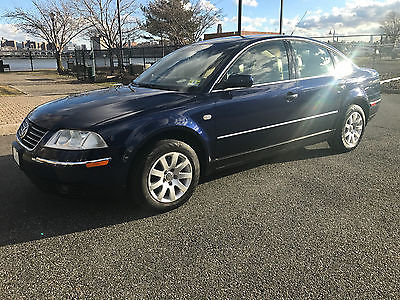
point(348, 136)
point(169, 174)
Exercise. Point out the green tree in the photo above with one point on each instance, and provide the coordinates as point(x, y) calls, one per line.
point(179, 22)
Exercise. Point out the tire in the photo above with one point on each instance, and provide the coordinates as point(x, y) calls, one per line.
point(168, 176)
point(351, 128)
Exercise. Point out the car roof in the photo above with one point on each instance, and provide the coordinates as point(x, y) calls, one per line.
point(249, 39)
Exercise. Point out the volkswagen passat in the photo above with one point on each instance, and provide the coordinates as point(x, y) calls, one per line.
point(204, 107)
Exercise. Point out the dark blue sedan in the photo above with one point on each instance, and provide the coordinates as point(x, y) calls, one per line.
point(204, 107)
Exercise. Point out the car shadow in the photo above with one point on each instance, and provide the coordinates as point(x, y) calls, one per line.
point(28, 214)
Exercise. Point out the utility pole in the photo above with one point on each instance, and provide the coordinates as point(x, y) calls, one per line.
point(281, 18)
point(120, 34)
point(240, 17)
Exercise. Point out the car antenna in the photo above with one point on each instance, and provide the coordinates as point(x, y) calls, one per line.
point(299, 22)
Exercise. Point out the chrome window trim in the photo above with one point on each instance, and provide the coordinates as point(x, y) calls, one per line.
point(233, 60)
point(277, 125)
point(274, 82)
point(276, 145)
point(67, 163)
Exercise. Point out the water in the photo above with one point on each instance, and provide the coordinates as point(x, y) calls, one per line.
point(24, 64)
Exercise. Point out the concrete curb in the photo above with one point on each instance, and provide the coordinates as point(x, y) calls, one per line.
point(8, 129)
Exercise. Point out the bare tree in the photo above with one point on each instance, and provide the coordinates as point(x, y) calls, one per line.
point(102, 15)
point(391, 26)
point(53, 21)
point(179, 21)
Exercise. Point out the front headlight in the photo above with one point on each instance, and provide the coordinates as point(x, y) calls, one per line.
point(76, 140)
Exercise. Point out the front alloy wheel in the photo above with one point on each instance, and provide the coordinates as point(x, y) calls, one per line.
point(168, 175)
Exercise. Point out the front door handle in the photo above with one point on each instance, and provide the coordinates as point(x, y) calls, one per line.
point(291, 96)
point(341, 87)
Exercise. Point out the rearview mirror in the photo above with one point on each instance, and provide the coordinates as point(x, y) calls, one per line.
point(235, 81)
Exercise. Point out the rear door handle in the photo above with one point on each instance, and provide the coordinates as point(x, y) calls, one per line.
point(291, 96)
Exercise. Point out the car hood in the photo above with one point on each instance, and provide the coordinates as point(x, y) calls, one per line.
point(89, 109)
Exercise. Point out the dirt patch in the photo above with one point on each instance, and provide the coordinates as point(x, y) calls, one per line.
point(6, 90)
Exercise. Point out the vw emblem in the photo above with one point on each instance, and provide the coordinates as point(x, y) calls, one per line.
point(23, 129)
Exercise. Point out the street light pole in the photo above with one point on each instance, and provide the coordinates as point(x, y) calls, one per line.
point(281, 18)
point(240, 17)
point(120, 33)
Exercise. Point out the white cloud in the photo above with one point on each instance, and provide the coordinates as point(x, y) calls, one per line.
point(248, 23)
point(356, 17)
point(252, 3)
point(11, 32)
point(207, 5)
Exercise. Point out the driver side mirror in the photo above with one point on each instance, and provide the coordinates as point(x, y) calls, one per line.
point(237, 81)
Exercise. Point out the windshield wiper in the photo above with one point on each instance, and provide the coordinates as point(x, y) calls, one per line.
point(152, 86)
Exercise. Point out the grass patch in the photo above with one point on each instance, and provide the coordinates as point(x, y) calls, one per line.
point(9, 91)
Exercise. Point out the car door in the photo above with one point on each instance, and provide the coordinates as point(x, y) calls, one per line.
point(318, 90)
point(252, 118)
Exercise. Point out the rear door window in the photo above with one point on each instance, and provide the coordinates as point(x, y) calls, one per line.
point(311, 59)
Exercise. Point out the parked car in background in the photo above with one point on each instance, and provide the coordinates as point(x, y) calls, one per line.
point(204, 107)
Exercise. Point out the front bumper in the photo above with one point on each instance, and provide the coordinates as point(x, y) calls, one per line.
point(373, 107)
point(60, 167)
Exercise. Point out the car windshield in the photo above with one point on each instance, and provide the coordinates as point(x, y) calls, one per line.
point(186, 69)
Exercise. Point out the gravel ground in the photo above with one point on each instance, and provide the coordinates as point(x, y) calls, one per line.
point(305, 224)
point(392, 85)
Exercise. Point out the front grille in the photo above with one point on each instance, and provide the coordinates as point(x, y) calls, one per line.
point(29, 134)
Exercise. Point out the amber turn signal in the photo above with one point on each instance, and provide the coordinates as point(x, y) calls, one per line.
point(97, 163)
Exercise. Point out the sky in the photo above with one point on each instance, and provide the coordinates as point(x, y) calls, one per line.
point(322, 17)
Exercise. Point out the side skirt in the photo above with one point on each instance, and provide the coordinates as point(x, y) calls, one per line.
point(240, 158)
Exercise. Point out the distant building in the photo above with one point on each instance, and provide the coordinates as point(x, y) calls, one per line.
point(20, 45)
point(209, 36)
point(9, 45)
point(31, 45)
point(129, 44)
point(42, 46)
point(220, 34)
point(51, 47)
point(70, 47)
point(95, 41)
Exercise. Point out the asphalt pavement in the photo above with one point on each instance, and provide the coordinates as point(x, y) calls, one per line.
point(302, 225)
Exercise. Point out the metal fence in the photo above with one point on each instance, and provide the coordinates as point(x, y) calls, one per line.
point(374, 51)
point(87, 64)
